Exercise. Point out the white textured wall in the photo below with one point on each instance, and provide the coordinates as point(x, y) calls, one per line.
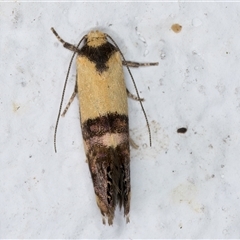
point(186, 185)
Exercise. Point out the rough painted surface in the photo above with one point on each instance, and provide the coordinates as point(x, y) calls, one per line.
point(186, 185)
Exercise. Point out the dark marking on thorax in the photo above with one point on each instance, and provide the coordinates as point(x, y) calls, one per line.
point(98, 55)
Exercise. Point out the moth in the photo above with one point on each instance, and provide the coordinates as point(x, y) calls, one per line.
point(104, 118)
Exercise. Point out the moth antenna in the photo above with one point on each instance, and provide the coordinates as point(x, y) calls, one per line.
point(64, 87)
point(135, 86)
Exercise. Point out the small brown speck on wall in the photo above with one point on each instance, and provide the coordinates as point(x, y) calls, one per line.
point(176, 28)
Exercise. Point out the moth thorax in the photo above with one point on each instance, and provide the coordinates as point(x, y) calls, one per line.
point(96, 38)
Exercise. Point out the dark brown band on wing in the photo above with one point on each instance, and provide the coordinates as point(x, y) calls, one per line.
point(109, 123)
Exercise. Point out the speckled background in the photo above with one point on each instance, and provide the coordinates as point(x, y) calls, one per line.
point(185, 185)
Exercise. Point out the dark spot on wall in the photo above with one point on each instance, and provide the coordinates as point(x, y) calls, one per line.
point(182, 130)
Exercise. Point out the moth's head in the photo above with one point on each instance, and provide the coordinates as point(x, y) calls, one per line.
point(95, 38)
